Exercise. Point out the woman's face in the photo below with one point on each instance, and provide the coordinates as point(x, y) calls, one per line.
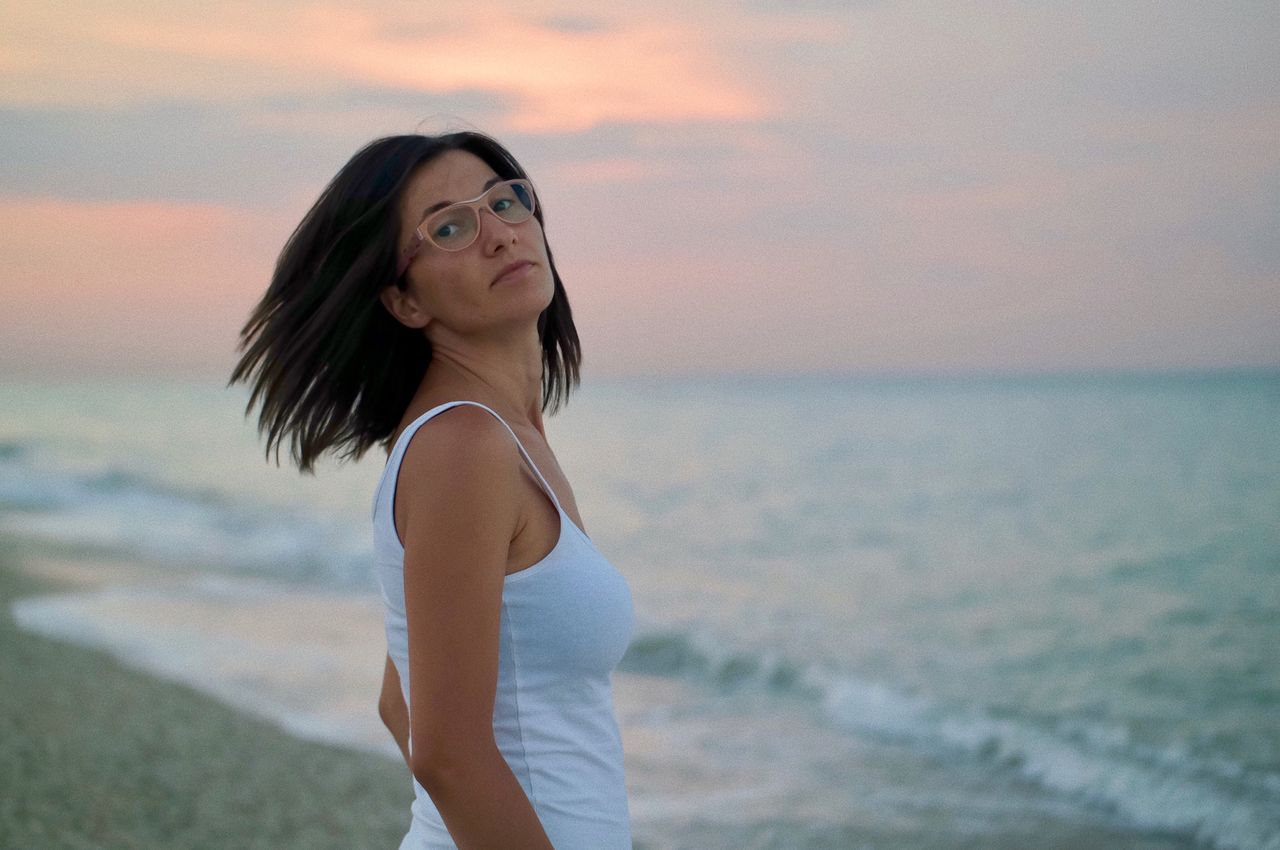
point(502, 278)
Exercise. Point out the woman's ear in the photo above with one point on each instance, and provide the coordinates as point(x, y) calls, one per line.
point(404, 306)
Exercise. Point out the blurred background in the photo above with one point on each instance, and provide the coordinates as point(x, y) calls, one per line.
point(932, 367)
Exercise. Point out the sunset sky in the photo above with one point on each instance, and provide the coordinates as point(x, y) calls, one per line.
point(730, 186)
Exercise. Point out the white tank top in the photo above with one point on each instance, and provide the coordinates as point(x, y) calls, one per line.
point(566, 622)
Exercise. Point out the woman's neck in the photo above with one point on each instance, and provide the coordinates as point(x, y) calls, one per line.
point(506, 375)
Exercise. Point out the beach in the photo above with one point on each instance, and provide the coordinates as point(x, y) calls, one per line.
point(103, 754)
point(990, 614)
point(94, 754)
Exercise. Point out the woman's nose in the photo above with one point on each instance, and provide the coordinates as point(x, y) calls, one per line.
point(496, 232)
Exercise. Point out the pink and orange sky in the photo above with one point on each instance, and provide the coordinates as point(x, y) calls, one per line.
point(730, 186)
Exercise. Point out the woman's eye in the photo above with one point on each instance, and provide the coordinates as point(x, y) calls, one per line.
point(444, 231)
point(501, 204)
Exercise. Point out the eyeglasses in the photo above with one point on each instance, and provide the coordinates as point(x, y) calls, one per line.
point(456, 227)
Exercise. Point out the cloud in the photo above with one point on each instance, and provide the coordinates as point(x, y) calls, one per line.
point(558, 73)
point(879, 185)
point(575, 23)
point(258, 151)
point(102, 287)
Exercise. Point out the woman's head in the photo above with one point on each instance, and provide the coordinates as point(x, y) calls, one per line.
point(331, 366)
point(473, 260)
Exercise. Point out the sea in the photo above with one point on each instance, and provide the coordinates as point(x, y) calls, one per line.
point(898, 612)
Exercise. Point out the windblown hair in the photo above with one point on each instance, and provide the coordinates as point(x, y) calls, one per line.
point(332, 368)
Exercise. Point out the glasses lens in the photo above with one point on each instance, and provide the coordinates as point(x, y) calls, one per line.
point(512, 201)
point(453, 228)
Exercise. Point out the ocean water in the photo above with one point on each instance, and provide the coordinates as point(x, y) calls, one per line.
point(942, 612)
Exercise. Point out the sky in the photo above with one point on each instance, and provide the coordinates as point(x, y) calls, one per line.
point(761, 187)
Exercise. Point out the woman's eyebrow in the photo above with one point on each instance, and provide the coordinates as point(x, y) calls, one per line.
point(489, 184)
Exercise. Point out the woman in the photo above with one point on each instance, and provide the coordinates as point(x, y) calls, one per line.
point(417, 307)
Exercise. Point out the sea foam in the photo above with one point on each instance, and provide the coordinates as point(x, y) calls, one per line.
point(1168, 790)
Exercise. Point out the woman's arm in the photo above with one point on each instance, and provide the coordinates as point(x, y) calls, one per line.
point(458, 507)
point(393, 711)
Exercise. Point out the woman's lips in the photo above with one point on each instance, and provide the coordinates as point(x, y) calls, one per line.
point(513, 271)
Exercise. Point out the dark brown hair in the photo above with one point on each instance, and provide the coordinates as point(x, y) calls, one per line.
point(331, 367)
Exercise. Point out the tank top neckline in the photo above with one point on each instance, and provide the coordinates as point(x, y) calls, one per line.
point(401, 446)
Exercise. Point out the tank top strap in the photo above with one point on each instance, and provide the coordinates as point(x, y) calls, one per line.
point(520, 446)
point(384, 493)
point(523, 453)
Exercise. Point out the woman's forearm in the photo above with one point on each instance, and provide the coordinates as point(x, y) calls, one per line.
point(393, 711)
point(482, 803)
point(478, 797)
point(398, 724)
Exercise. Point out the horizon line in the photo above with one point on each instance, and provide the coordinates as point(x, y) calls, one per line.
point(748, 375)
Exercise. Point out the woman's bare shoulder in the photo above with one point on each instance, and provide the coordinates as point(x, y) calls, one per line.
point(461, 457)
point(465, 428)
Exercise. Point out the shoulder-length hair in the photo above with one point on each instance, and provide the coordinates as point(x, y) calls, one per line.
point(332, 368)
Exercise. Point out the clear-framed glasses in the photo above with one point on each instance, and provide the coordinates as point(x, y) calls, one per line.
point(456, 227)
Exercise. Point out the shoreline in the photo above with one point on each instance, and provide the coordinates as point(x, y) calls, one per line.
point(307, 661)
point(109, 750)
point(94, 753)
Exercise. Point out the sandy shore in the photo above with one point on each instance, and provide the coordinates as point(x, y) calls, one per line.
point(95, 754)
point(302, 662)
point(309, 661)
